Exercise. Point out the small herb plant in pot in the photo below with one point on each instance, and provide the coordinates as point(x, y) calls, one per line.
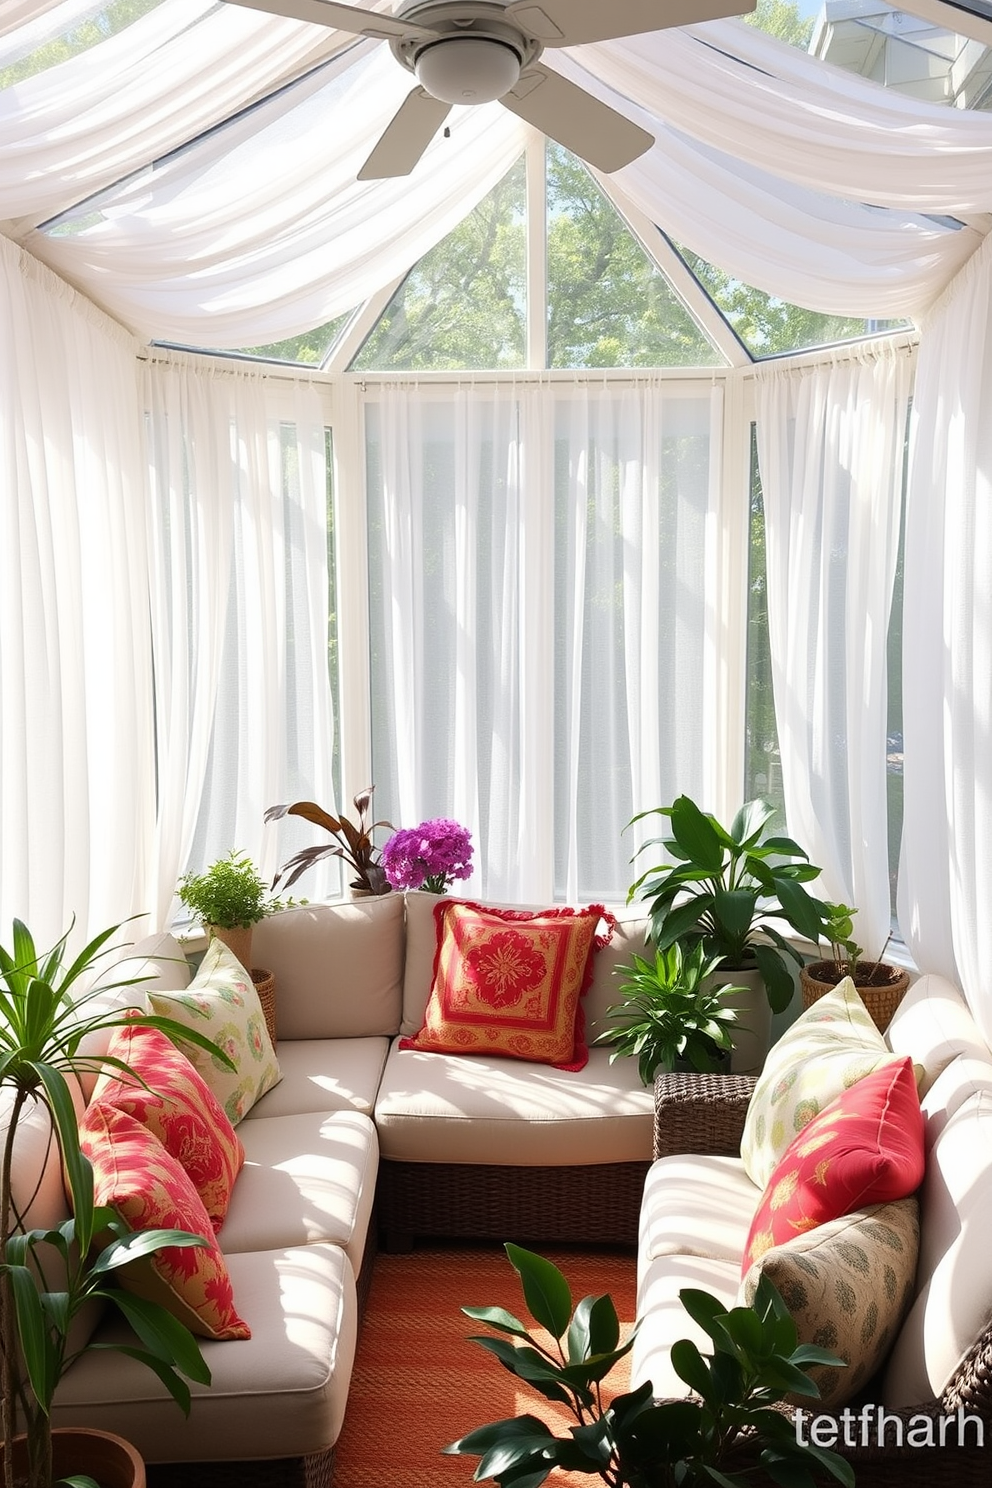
point(353, 843)
point(880, 983)
point(229, 898)
point(48, 1275)
point(724, 1432)
point(673, 1016)
point(727, 888)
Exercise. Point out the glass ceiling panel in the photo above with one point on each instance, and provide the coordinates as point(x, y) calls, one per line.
point(770, 327)
point(789, 20)
point(308, 350)
point(464, 306)
point(608, 304)
point(65, 32)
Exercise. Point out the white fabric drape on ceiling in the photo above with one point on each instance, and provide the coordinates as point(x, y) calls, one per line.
point(537, 673)
point(945, 886)
point(77, 783)
point(263, 230)
point(238, 478)
point(830, 449)
point(260, 230)
point(182, 68)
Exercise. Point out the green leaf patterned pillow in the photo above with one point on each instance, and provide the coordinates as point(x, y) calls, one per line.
point(221, 1002)
point(827, 1050)
point(848, 1285)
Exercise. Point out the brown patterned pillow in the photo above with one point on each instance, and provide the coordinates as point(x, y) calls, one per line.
point(848, 1285)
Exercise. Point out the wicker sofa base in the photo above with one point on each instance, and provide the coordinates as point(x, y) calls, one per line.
point(595, 1204)
point(315, 1471)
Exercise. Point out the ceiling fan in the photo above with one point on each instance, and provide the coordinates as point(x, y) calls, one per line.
point(475, 51)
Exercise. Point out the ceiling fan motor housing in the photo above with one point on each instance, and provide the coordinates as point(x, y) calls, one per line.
point(478, 54)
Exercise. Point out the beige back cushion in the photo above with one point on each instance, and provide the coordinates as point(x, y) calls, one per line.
point(933, 1024)
point(954, 1279)
point(338, 967)
point(421, 943)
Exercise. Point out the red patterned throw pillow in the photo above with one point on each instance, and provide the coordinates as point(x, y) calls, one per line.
point(510, 981)
point(175, 1103)
point(133, 1174)
point(865, 1147)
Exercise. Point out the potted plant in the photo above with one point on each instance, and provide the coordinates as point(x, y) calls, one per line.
point(880, 984)
point(230, 898)
point(734, 891)
point(673, 1016)
point(353, 844)
point(728, 1426)
point(48, 1275)
point(428, 857)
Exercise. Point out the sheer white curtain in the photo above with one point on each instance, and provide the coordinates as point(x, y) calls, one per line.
point(76, 743)
point(244, 717)
point(538, 593)
point(831, 451)
point(945, 882)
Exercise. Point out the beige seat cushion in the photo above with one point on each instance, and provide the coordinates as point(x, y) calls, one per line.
point(933, 1025)
point(325, 1075)
point(421, 944)
point(296, 1368)
point(306, 1179)
point(338, 967)
point(481, 1109)
point(696, 1205)
point(954, 1285)
point(663, 1319)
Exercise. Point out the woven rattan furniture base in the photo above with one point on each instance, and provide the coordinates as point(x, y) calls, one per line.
point(595, 1203)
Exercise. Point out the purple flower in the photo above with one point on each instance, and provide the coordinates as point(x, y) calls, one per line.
point(428, 857)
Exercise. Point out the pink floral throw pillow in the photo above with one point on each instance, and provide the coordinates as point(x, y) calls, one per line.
point(133, 1173)
point(510, 982)
point(178, 1107)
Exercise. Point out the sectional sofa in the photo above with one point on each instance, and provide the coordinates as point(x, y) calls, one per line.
point(360, 1136)
point(908, 1282)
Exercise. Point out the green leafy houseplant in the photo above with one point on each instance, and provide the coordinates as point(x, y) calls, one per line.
point(229, 894)
point(47, 1276)
point(727, 1427)
point(727, 888)
point(671, 1014)
point(353, 844)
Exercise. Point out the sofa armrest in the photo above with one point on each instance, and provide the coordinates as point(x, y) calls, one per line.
point(700, 1113)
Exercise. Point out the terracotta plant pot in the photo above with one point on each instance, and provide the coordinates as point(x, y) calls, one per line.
point(77, 1450)
point(880, 985)
point(237, 939)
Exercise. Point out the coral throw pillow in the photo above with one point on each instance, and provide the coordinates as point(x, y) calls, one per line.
point(221, 1002)
point(173, 1100)
point(133, 1174)
point(510, 982)
point(865, 1147)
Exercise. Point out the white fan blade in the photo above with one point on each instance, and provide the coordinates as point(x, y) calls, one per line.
point(406, 137)
point(570, 115)
point(575, 22)
point(341, 18)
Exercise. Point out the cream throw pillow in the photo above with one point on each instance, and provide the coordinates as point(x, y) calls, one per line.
point(827, 1050)
point(221, 1003)
point(848, 1285)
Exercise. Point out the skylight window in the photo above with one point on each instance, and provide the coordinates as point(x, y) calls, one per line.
point(65, 32)
point(771, 327)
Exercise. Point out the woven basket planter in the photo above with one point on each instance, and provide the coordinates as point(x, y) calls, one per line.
point(881, 993)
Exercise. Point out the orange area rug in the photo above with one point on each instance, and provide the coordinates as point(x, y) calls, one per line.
point(419, 1383)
